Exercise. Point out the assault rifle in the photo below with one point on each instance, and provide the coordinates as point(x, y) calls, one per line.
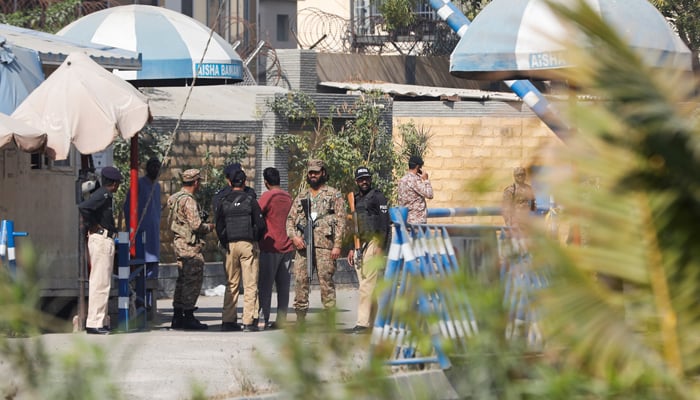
point(357, 255)
point(308, 231)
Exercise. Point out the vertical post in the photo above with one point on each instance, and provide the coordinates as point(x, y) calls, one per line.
point(134, 194)
point(7, 244)
point(3, 241)
point(123, 273)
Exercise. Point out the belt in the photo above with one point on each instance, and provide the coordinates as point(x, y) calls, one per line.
point(105, 233)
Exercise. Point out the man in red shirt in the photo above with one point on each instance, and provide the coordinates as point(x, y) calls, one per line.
point(276, 249)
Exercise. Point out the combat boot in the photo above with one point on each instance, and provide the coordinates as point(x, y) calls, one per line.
point(190, 323)
point(178, 318)
point(301, 316)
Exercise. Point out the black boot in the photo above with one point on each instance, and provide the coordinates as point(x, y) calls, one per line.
point(190, 323)
point(178, 318)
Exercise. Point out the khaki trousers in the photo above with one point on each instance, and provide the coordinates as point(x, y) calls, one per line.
point(101, 249)
point(372, 264)
point(241, 262)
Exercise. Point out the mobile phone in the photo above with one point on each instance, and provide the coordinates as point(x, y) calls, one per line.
point(420, 171)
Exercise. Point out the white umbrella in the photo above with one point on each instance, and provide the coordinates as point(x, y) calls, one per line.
point(26, 138)
point(82, 103)
point(171, 44)
point(512, 39)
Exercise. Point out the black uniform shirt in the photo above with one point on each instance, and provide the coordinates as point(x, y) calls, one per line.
point(373, 215)
point(97, 210)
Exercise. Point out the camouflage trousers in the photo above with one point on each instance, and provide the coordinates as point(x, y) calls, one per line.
point(190, 275)
point(325, 268)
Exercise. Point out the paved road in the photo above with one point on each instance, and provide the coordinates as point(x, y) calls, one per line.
point(164, 364)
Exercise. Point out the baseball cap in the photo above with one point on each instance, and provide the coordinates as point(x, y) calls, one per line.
point(190, 175)
point(231, 168)
point(112, 174)
point(315, 165)
point(362, 172)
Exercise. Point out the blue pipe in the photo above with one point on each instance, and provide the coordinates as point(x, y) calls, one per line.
point(534, 99)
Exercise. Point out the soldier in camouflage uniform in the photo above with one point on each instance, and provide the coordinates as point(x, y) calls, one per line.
point(413, 189)
point(518, 200)
point(188, 229)
point(328, 205)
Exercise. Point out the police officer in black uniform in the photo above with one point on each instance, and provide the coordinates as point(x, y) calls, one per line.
point(375, 230)
point(224, 191)
point(98, 218)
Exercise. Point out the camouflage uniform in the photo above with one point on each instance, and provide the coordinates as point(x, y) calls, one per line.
point(518, 201)
point(186, 212)
point(412, 194)
point(328, 233)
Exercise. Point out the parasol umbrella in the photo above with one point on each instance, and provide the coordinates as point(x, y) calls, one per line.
point(83, 104)
point(20, 73)
point(513, 39)
point(25, 138)
point(171, 45)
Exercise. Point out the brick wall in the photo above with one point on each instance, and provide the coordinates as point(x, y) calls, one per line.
point(192, 142)
point(474, 148)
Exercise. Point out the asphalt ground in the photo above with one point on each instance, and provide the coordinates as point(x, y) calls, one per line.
point(159, 363)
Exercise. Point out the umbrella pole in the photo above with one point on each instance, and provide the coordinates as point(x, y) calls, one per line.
point(134, 195)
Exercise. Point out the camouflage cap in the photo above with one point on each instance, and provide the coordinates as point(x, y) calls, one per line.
point(315, 165)
point(190, 175)
point(519, 171)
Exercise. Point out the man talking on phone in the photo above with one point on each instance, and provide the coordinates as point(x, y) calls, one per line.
point(413, 189)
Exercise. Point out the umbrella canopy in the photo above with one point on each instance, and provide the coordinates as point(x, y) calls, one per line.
point(26, 138)
point(171, 45)
point(20, 73)
point(513, 39)
point(82, 103)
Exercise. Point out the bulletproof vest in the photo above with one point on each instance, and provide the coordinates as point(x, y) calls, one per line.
point(238, 208)
point(368, 217)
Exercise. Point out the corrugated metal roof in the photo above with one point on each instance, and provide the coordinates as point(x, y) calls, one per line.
point(54, 49)
point(215, 103)
point(423, 91)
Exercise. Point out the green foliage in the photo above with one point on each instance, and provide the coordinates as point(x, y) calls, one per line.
point(685, 17)
point(415, 141)
point(31, 370)
point(317, 364)
point(213, 175)
point(48, 18)
point(151, 143)
point(362, 140)
point(397, 14)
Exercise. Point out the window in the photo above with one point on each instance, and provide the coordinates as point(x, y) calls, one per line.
point(283, 28)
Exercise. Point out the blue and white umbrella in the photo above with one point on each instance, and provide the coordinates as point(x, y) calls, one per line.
point(512, 39)
point(171, 44)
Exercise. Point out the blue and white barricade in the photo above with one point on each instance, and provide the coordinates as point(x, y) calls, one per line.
point(7, 245)
point(427, 252)
point(127, 298)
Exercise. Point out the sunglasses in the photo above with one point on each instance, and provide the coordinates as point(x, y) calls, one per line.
point(364, 179)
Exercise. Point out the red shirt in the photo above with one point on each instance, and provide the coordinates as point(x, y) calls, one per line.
point(275, 205)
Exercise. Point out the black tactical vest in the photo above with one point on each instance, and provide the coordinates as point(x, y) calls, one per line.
point(368, 214)
point(237, 207)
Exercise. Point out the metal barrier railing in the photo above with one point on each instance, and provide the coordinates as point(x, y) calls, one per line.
point(7, 245)
point(434, 252)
